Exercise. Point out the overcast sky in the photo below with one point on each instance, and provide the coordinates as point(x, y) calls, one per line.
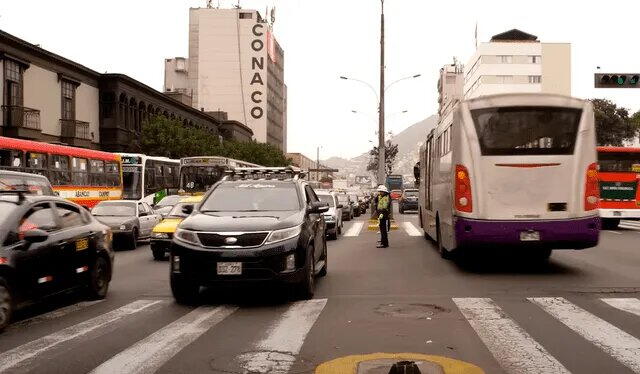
point(324, 39)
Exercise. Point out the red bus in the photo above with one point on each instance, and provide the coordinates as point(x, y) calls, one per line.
point(619, 176)
point(82, 175)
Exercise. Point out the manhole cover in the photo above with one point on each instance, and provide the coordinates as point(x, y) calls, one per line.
point(413, 311)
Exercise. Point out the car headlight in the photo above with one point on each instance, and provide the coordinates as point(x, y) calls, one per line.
point(123, 227)
point(160, 235)
point(187, 236)
point(284, 234)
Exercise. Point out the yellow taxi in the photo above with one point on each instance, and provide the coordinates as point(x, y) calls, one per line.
point(162, 234)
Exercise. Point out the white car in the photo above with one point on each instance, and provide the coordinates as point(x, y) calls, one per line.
point(333, 217)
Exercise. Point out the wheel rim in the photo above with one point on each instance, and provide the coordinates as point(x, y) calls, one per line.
point(5, 305)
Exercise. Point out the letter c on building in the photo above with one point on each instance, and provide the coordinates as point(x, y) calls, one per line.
point(255, 27)
point(253, 97)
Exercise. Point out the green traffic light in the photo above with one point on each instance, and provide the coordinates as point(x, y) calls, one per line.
point(634, 80)
point(621, 80)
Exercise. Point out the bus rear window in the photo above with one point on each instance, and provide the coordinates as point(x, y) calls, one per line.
point(526, 130)
point(619, 162)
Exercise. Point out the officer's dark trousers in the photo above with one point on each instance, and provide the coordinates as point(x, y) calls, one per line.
point(384, 227)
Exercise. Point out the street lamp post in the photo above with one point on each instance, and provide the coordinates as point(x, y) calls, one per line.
point(381, 147)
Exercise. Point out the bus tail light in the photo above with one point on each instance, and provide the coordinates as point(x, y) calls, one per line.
point(462, 193)
point(592, 188)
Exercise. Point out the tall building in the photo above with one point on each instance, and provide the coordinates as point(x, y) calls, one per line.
point(236, 65)
point(450, 87)
point(515, 61)
point(176, 80)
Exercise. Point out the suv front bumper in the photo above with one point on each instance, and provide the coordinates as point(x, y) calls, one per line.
point(263, 264)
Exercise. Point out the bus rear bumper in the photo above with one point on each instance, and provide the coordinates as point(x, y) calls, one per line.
point(577, 233)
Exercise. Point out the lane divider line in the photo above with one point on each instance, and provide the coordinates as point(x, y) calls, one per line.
point(276, 352)
point(613, 232)
point(629, 305)
point(150, 353)
point(355, 229)
point(622, 346)
point(514, 349)
point(26, 353)
point(411, 229)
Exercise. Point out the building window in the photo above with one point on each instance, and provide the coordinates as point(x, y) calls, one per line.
point(535, 59)
point(13, 74)
point(246, 15)
point(505, 79)
point(506, 59)
point(68, 100)
point(535, 79)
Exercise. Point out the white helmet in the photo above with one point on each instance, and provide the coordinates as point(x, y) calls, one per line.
point(382, 188)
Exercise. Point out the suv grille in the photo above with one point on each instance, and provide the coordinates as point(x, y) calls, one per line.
point(251, 239)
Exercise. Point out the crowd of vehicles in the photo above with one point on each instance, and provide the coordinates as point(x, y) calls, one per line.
point(512, 170)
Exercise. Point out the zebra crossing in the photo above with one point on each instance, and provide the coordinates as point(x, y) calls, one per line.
point(357, 228)
point(630, 225)
point(278, 345)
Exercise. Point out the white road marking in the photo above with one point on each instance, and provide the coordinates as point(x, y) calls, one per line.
point(150, 353)
point(613, 232)
point(626, 304)
point(411, 229)
point(355, 229)
point(515, 350)
point(53, 314)
point(275, 353)
point(24, 354)
point(622, 346)
point(629, 227)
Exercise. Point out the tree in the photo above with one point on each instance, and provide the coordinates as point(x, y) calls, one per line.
point(390, 153)
point(169, 138)
point(613, 124)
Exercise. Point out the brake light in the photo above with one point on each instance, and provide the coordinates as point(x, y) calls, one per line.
point(592, 188)
point(462, 193)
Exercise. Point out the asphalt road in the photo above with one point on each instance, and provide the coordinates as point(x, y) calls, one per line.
point(579, 313)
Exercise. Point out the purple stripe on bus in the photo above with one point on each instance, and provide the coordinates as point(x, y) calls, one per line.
point(557, 234)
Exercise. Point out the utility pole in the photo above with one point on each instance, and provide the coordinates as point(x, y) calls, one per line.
point(381, 145)
point(318, 164)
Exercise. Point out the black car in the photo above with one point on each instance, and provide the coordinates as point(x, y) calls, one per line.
point(347, 206)
point(49, 246)
point(250, 230)
point(408, 200)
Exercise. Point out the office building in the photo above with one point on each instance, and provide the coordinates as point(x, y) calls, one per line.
point(515, 61)
point(450, 87)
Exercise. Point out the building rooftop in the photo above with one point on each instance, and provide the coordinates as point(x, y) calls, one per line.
point(514, 35)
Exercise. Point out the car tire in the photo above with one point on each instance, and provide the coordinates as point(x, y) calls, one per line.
point(185, 292)
point(323, 271)
point(441, 249)
point(306, 287)
point(158, 254)
point(134, 239)
point(98, 279)
point(333, 235)
point(401, 210)
point(7, 304)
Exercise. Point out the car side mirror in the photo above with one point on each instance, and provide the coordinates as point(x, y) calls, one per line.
point(187, 209)
point(143, 214)
point(35, 236)
point(340, 206)
point(318, 207)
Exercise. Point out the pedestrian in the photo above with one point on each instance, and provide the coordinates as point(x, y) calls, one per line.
point(383, 209)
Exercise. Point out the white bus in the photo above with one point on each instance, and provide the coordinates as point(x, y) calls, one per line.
point(198, 174)
point(148, 178)
point(513, 170)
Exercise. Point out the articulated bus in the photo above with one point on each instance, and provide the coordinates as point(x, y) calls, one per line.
point(619, 178)
point(81, 175)
point(149, 178)
point(198, 174)
point(513, 170)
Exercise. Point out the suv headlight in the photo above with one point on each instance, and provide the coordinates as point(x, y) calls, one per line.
point(187, 236)
point(284, 234)
point(160, 235)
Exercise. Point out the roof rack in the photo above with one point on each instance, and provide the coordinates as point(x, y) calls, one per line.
point(288, 172)
point(21, 194)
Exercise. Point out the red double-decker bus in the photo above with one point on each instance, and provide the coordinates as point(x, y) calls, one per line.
point(619, 176)
point(82, 175)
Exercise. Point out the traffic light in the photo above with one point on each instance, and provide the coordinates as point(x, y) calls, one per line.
point(617, 80)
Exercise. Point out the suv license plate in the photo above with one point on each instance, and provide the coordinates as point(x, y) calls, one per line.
point(617, 214)
point(229, 268)
point(530, 236)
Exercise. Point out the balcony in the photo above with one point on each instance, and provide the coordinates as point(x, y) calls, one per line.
point(20, 122)
point(75, 133)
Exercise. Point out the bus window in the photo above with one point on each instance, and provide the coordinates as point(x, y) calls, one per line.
point(159, 176)
point(59, 170)
point(36, 163)
point(80, 172)
point(11, 159)
point(96, 176)
point(112, 173)
point(149, 178)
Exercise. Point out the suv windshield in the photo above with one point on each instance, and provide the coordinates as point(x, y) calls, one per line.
point(526, 130)
point(327, 199)
point(252, 196)
point(119, 209)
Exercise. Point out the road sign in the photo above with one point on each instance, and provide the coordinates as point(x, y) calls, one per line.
point(617, 80)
